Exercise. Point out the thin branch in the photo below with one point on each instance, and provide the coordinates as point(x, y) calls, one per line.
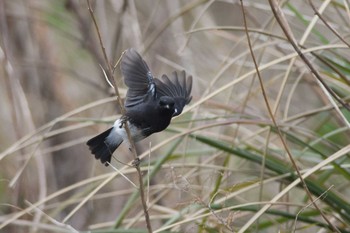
point(121, 105)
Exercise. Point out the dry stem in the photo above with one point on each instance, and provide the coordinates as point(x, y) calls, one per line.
point(121, 105)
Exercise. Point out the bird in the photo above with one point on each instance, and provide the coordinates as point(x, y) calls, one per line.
point(150, 104)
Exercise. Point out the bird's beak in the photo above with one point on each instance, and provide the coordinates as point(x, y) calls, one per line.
point(175, 112)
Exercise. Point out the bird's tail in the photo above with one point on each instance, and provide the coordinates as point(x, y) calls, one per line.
point(104, 144)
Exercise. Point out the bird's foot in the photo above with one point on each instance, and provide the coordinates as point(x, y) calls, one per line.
point(136, 162)
point(122, 122)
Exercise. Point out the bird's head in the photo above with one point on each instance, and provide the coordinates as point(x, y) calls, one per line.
point(167, 104)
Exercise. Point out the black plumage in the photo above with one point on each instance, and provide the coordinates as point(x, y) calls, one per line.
point(150, 104)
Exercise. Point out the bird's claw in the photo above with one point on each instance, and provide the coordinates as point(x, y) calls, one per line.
point(122, 122)
point(136, 162)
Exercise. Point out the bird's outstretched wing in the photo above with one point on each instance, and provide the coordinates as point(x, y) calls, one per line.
point(178, 86)
point(137, 77)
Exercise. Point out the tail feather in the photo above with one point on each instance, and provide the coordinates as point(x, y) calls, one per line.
point(104, 144)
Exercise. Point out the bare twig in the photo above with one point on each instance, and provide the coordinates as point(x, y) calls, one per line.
point(278, 16)
point(110, 77)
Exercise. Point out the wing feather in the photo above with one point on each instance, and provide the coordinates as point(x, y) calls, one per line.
point(137, 77)
point(141, 83)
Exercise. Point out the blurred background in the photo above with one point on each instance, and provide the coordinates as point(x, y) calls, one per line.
point(219, 162)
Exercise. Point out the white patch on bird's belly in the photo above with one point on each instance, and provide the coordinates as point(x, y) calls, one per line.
point(136, 134)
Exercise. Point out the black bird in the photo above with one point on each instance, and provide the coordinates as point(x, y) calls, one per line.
point(150, 104)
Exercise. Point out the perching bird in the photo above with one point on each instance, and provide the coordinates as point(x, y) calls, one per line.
point(150, 104)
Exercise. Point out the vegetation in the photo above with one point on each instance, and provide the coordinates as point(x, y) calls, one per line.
point(263, 146)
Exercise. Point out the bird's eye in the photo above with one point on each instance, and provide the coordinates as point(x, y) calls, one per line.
point(167, 103)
